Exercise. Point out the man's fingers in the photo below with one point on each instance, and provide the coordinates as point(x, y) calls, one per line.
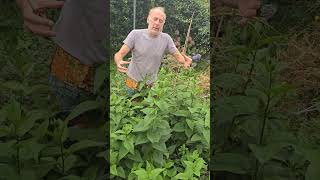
point(40, 30)
point(125, 62)
point(122, 70)
point(243, 21)
point(121, 67)
point(50, 4)
point(33, 18)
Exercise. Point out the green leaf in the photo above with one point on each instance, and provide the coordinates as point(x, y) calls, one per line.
point(161, 146)
point(28, 122)
point(179, 127)
point(69, 162)
point(163, 106)
point(266, 152)
point(30, 148)
point(82, 108)
point(243, 104)
point(113, 170)
point(313, 172)
point(153, 135)
point(13, 85)
point(121, 172)
point(141, 173)
point(92, 172)
point(136, 156)
point(231, 162)
point(122, 152)
point(158, 157)
point(100, 76)
point(84, 144)
point(43, 168)
point(28, 174)
point(156, 172)
point(144, 124)
point(13, 111)
point(190, 123)
point(4, 131)
point(181, 113)
point(7, 172)
point(228, 80)
point(196, 137)
point(141, 139)
point(199, 164)
point(41, 130)
point(6, 149)
point(181, 176)
point(128, 143)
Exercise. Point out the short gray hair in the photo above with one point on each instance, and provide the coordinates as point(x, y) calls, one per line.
point(158, 8)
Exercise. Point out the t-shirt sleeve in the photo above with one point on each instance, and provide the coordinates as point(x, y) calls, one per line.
point(171, 47)
point(129, 41)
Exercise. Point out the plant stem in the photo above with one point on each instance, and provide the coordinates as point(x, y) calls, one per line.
point(62, 156)
point(265, 116)
point(18, 159)
point(251, 71)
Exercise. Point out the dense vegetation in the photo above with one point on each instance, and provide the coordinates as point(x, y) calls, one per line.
point(266, 95)
point(35, 140)
point(162, 132)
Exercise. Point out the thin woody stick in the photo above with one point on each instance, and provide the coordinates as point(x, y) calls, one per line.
point(188, 35)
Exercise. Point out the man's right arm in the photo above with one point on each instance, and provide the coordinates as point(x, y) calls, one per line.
point(118, 58)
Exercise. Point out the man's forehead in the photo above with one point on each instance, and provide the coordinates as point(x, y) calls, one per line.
point(157, 12)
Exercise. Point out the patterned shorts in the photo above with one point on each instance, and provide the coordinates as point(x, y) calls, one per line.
point(71, 81)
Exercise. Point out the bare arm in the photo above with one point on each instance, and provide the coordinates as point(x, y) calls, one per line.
point(182, 58)
point(118, 58)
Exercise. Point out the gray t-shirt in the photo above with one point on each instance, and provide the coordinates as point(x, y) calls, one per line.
point(82, 29)
point(147, 54)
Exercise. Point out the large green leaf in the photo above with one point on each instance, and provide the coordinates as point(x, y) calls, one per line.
point(82, 108)
point(100, 76)
point(153, 135)
point(128, 143)
point(265, 152)
point(231, 162)
point(84, 144)
point(161, 146)
point(313, 172)
point(228, 80)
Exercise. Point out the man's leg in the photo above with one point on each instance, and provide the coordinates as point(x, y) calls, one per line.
point(71, 83)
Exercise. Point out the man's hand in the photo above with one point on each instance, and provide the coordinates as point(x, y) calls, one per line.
point(120, 66)
point(187, 60)
point(35, 20)
point(118, 58)
point(247, 8)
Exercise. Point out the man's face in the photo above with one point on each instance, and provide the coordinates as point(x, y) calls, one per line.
point(156, 21)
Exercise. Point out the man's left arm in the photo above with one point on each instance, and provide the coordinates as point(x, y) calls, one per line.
point(182, 58)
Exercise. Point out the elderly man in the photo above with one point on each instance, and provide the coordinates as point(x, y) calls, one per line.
point(148, 47)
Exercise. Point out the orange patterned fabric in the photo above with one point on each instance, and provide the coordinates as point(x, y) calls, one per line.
point(70, 70)
point(131, 83)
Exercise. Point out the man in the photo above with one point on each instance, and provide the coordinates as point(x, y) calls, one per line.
point(148, 47)
point(78, 34)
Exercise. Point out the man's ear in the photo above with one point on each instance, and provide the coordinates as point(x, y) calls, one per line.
point(148, 19)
